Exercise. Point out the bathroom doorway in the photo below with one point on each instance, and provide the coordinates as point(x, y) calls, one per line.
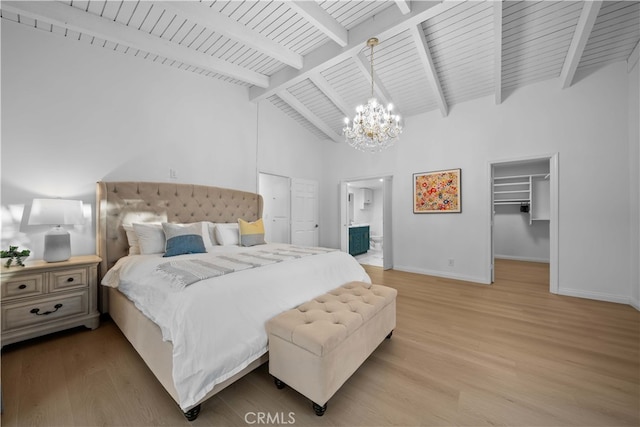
point(366, 220)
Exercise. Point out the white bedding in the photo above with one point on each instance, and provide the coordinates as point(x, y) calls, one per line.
point(216, 325)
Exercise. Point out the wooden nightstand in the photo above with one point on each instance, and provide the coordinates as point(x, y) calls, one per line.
point(45, 297)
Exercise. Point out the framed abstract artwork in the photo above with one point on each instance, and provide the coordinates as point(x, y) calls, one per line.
point(437, 192)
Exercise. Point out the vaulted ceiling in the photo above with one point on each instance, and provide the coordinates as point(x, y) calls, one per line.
point(309, 58)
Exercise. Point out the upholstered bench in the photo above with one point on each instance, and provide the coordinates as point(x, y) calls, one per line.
point(317, 346)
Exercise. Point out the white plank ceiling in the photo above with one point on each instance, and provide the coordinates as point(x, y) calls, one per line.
point(309, 57)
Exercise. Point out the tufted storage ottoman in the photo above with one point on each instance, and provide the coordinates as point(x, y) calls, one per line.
point(317, 346)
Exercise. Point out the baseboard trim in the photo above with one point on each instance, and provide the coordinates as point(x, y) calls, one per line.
point(521, 258)
point(634, 303)
point(442, 274)
point(600, 296)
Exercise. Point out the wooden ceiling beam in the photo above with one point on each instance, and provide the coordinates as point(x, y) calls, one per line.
point(424, 53)
point(586, 21)
point(323, 21)
point(205, 16)
point(302, 109)
point(86, 23)
point(404, 6)
point(323, 84)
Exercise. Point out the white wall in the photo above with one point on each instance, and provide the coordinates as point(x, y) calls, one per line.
point(515, 238)
point(586, 124)
point(287, 148)
point(634, 193)
point(73, 114)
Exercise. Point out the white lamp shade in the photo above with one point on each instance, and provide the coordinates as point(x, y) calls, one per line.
point(56, 212)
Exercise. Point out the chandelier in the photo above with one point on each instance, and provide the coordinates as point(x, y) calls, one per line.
point(374, 128)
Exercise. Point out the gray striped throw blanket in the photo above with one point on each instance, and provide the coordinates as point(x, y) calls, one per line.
point(184, 272)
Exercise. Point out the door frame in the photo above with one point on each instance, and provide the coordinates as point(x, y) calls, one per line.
point(554, 260)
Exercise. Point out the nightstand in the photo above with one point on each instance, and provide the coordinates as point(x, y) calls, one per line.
point(45, 297)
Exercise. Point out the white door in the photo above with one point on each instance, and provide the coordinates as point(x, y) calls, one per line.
point(304, 212)
point(277, 206)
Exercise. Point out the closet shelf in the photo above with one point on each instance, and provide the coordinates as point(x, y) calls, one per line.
point(511, 191)
point(531, 190)
point(511, 184)
point(510, 201)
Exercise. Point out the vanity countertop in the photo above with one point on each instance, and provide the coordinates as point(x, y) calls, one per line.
point(358, 225)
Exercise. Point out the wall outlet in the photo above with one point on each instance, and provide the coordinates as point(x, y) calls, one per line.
point(173, 174)
point(451, 262)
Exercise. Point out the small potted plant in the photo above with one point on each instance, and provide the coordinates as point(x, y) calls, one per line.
point(14, 254)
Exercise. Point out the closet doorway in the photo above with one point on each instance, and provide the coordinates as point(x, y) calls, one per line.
point(524, 212)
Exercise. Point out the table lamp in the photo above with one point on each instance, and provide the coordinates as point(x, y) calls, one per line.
point(57, 212)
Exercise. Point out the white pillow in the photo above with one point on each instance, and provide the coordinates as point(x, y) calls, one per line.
point(132, 238)
point(207, 234)
point(227, 234)
point(150, 237)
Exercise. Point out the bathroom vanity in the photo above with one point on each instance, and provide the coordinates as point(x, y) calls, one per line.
point(358, 239)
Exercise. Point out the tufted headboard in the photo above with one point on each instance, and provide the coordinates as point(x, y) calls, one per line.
point(119, 203)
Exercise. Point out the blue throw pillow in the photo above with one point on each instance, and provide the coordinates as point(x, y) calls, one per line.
point(183, 239)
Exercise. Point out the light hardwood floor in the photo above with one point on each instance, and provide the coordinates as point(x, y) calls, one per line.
point(462, 354)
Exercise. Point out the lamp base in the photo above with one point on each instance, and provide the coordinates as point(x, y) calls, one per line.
point(57, 245)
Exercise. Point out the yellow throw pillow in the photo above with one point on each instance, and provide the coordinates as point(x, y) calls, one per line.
point(251, 233)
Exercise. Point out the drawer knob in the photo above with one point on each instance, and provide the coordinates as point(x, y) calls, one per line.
point(36, 311)
point(70, 279)
point(23, 286)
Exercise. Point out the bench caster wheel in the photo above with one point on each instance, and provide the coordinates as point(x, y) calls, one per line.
point(319, 410)
point(279, 384)
point(192, 413)
point(389, 336)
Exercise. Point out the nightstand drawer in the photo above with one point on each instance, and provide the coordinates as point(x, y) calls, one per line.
point(67, 279)
point(44, 310)
point(26, 285)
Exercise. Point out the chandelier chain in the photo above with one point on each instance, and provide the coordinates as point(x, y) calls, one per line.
point(371, 69)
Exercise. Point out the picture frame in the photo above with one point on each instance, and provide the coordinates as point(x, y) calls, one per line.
point(437, 191)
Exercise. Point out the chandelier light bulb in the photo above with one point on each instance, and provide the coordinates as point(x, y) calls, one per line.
point(390, 107)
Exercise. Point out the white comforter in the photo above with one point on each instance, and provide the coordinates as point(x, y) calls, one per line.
point(217, 326)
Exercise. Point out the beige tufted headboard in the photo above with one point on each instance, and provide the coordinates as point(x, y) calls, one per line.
point(119, 203)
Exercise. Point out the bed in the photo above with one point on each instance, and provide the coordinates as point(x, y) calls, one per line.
point(256, 294)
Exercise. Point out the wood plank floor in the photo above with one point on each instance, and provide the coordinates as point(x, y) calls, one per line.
point(462, 354)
